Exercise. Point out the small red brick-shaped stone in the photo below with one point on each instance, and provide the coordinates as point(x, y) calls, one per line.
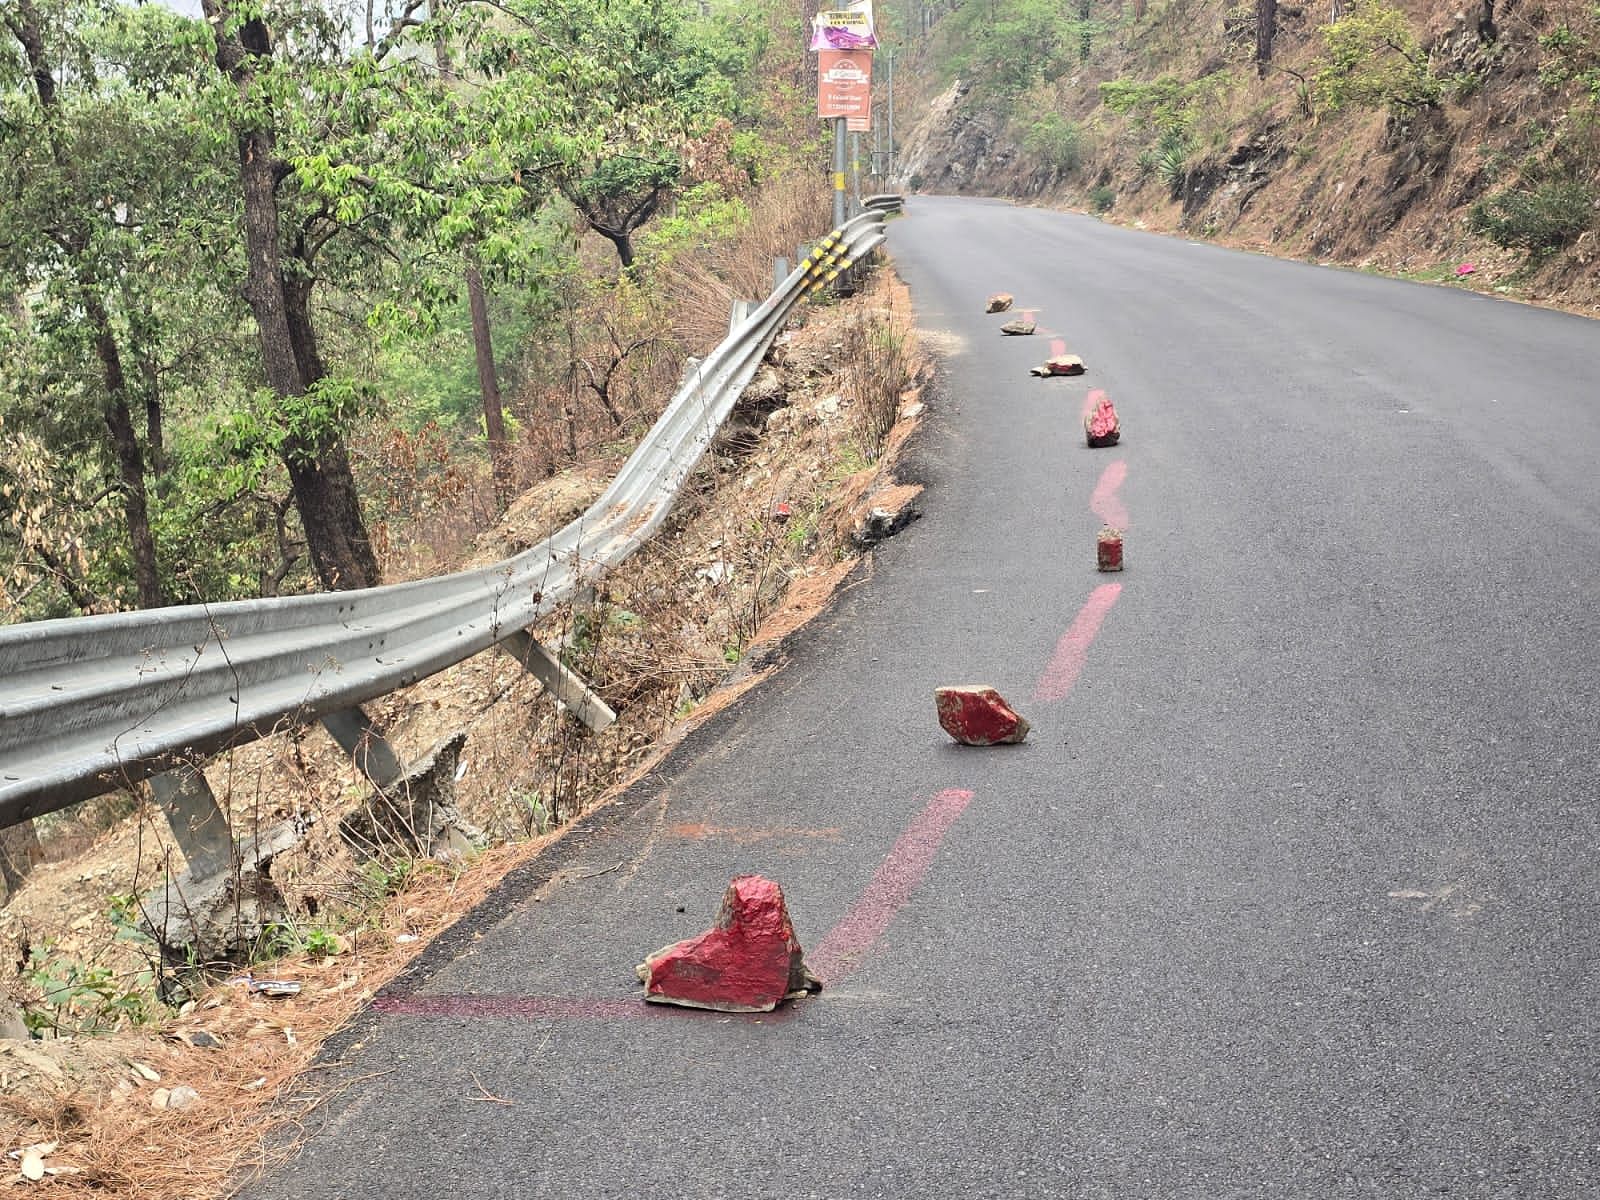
point(1108, 549)
point(1101, 427)
point(975, 715)
point(747, 962)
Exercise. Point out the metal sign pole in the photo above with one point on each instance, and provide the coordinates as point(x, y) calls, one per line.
point(838, 172)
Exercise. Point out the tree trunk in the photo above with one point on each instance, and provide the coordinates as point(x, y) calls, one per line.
point(75, 239)
point(324, 487)
point(1266, 31)
point(154, 437)
point(130, 458)
point(19, 853)
point(623, 243)
point(489, 383)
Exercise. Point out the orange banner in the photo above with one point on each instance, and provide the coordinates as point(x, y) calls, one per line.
point(844, 83)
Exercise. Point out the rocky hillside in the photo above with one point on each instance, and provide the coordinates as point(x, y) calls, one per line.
point(1444, 143)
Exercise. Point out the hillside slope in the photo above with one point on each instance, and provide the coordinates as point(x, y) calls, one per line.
point(1424, 139)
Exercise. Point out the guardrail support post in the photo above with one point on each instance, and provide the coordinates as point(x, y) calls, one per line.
point(566, 686)
point(739, 314)
point(373, 756)
point(19, 851)
point(197, 821)
point(780, 272)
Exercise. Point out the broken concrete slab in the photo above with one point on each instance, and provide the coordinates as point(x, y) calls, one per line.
point(1000, 302)
point(221, 917)
point(1101, 427)
point(1059, 364)
point(417, 816)
point(749, 961)
point(976, 715)
point(1108, 549)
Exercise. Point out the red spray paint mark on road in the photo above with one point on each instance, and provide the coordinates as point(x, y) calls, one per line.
point(525, 1008)
point(838, 954)
point(835, 957)
point(1104, 501)
point(1066, 664)
point(1057, 347)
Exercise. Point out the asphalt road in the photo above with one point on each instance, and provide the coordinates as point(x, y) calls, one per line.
point(1294, 895)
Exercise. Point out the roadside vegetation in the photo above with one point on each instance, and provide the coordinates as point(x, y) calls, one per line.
point(300, 296)
point(1407, 135)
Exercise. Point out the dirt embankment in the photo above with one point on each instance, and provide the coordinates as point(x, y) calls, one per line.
point(1269, 163)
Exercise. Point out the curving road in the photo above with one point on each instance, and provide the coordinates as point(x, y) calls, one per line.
point(1294, 890)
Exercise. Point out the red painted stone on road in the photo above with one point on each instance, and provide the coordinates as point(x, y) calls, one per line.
point(999, 302)
point(1108, 549)
point(975, 715)
point(747, 962)
point(1101, 427)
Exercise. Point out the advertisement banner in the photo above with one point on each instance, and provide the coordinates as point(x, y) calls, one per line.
point(848, 27)
point(844, 83)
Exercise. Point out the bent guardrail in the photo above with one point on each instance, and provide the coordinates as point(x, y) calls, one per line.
point(88, 704)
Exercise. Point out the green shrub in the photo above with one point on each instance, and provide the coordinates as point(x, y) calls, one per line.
point(1540, 219)
point(1373, 60)
point(1056, 141)
point(1102, 198)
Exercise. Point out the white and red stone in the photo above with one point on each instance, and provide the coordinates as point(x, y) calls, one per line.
point(749, 961)
point(975, 715)
point(1000, 302)
point(1108, 549)
point(1101, 427)
point(1060, 364)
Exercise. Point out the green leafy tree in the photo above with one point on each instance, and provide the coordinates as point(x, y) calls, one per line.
point(1373, 60)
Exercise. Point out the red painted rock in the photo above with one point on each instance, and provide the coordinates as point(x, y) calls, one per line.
point(1060, 364)
point(1101, 427)
point(999, 302)
point(975, 715)
point(782, 511)
point(1021, 327)
point(747, 962)
point(1108, 550)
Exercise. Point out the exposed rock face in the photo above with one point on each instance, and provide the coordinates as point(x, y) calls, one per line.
point(975, 715)
point(747, 962)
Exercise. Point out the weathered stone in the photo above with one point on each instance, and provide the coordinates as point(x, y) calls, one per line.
point(1101, 427)
point(1108, 549)
point(417, 816)
point(1000, 302)
point(1059, 364)
point(975, 715)
point(747, 962)
point(1021, 327)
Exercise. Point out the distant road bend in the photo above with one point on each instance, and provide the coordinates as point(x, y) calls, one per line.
point(1292, 893)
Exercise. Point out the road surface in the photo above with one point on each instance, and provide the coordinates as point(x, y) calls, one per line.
point(1293, 891)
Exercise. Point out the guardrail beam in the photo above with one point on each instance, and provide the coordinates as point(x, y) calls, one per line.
point(568, 688)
